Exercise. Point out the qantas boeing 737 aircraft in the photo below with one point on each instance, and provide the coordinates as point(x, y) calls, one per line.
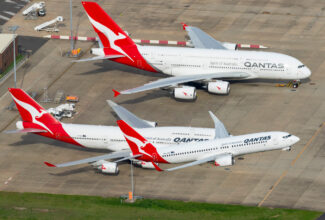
point(210, 63)
point(221, 150)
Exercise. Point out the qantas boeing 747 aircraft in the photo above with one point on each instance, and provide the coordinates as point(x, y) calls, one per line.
point(210, 63)
point(36, 120)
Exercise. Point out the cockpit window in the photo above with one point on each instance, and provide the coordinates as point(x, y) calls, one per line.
point(287, 136)
point(301, 66)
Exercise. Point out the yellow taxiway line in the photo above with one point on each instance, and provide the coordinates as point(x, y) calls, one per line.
point(292, 164)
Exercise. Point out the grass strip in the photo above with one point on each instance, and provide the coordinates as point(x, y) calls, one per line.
point(53, 206)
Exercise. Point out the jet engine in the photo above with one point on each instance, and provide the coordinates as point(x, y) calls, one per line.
point(109, 167)
point(143, 164)
point(219, 87)
point(226, 160)
point(286, 149)
point(185, 92)
point(97, 51)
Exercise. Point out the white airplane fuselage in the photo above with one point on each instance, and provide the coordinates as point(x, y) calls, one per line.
point(178, 61)
point(234, 145)
point(111, 138)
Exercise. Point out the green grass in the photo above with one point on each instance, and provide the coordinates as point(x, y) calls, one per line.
point(51, 206)
point(19, 57)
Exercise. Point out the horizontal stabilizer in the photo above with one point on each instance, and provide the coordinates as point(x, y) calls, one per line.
point(98, 58)
point(49, 164)
point(25, 130)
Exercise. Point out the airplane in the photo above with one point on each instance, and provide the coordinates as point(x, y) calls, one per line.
point(36, 120)
point(210, 63)
point(220, 150)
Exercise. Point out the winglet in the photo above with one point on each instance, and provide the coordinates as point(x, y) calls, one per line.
point(49, 164)
point(156, 167)
point(116, 93)
point(184, 25)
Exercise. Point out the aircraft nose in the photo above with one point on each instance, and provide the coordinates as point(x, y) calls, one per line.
point(307, 72)
point(295, 139)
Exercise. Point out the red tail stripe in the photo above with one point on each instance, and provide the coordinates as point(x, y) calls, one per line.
point(49, 164)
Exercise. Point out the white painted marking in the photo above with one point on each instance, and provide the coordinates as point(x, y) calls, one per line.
point(4, 18)
point(172, 42)
point(9, 13)
point(8, 180)
point(82, 38)
point(9, 1)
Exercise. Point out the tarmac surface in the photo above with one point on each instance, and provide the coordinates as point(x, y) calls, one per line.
point(294, 179)
point(8, 8)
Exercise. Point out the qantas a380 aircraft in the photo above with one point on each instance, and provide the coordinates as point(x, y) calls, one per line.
point(209, 63)
point(222, 150)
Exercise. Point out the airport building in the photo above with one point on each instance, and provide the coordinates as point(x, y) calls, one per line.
point(6, 50)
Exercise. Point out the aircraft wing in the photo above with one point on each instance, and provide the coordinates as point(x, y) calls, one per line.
point(98, 58)
point(129, 117)
point(25, 130)
point(200, 39)
point(173, 81)
point(197, 162)
point(114, 155)
point(220, 130)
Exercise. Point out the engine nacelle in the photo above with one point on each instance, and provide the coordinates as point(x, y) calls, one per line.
point(287, 149)
point(143, 164)
point(219, 87)
point(226, 160)
point(109, 167)
point(19, 125)
point(185, 92)
point(97, 51)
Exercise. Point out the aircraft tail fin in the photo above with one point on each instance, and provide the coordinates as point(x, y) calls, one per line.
point(30, 111)
point(136, 142)
point(140, 147)
point(109, 33)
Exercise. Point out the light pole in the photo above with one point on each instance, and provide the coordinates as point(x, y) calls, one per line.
point(71, 47)
point(13, 29)
point(132, 187)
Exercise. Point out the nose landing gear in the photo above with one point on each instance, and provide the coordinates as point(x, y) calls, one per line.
point(294, 84)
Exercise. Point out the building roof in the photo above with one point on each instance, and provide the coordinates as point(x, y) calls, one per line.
point(5, 41)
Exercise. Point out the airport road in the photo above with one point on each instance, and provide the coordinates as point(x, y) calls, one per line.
point(278, 179)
